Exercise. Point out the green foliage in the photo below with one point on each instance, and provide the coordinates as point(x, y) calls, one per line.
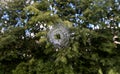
point(88, 52)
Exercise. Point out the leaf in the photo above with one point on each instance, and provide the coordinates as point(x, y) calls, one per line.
point(100, 71)
point(42, 40)
point(63, 59)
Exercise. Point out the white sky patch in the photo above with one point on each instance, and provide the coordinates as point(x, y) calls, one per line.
point(31, 2)
point(51, 8)
point(91, 26)
point(118, 24)
point(2, 30)
point(119, 7)
point(107, 21)
point(97, 27)
point(27, 33)
point(41, 26)
point(50, 27)
point(32, 35)
point(0, 24)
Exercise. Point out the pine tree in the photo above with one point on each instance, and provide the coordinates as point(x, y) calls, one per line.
point(80, 41)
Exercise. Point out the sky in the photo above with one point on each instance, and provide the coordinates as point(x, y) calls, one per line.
point(20, 23)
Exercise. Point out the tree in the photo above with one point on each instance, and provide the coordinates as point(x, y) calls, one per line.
point(86, 48)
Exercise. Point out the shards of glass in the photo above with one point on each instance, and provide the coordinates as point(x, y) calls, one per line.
point(59, 36)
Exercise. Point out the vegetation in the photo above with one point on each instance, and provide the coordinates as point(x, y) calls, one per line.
point(25, 47)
